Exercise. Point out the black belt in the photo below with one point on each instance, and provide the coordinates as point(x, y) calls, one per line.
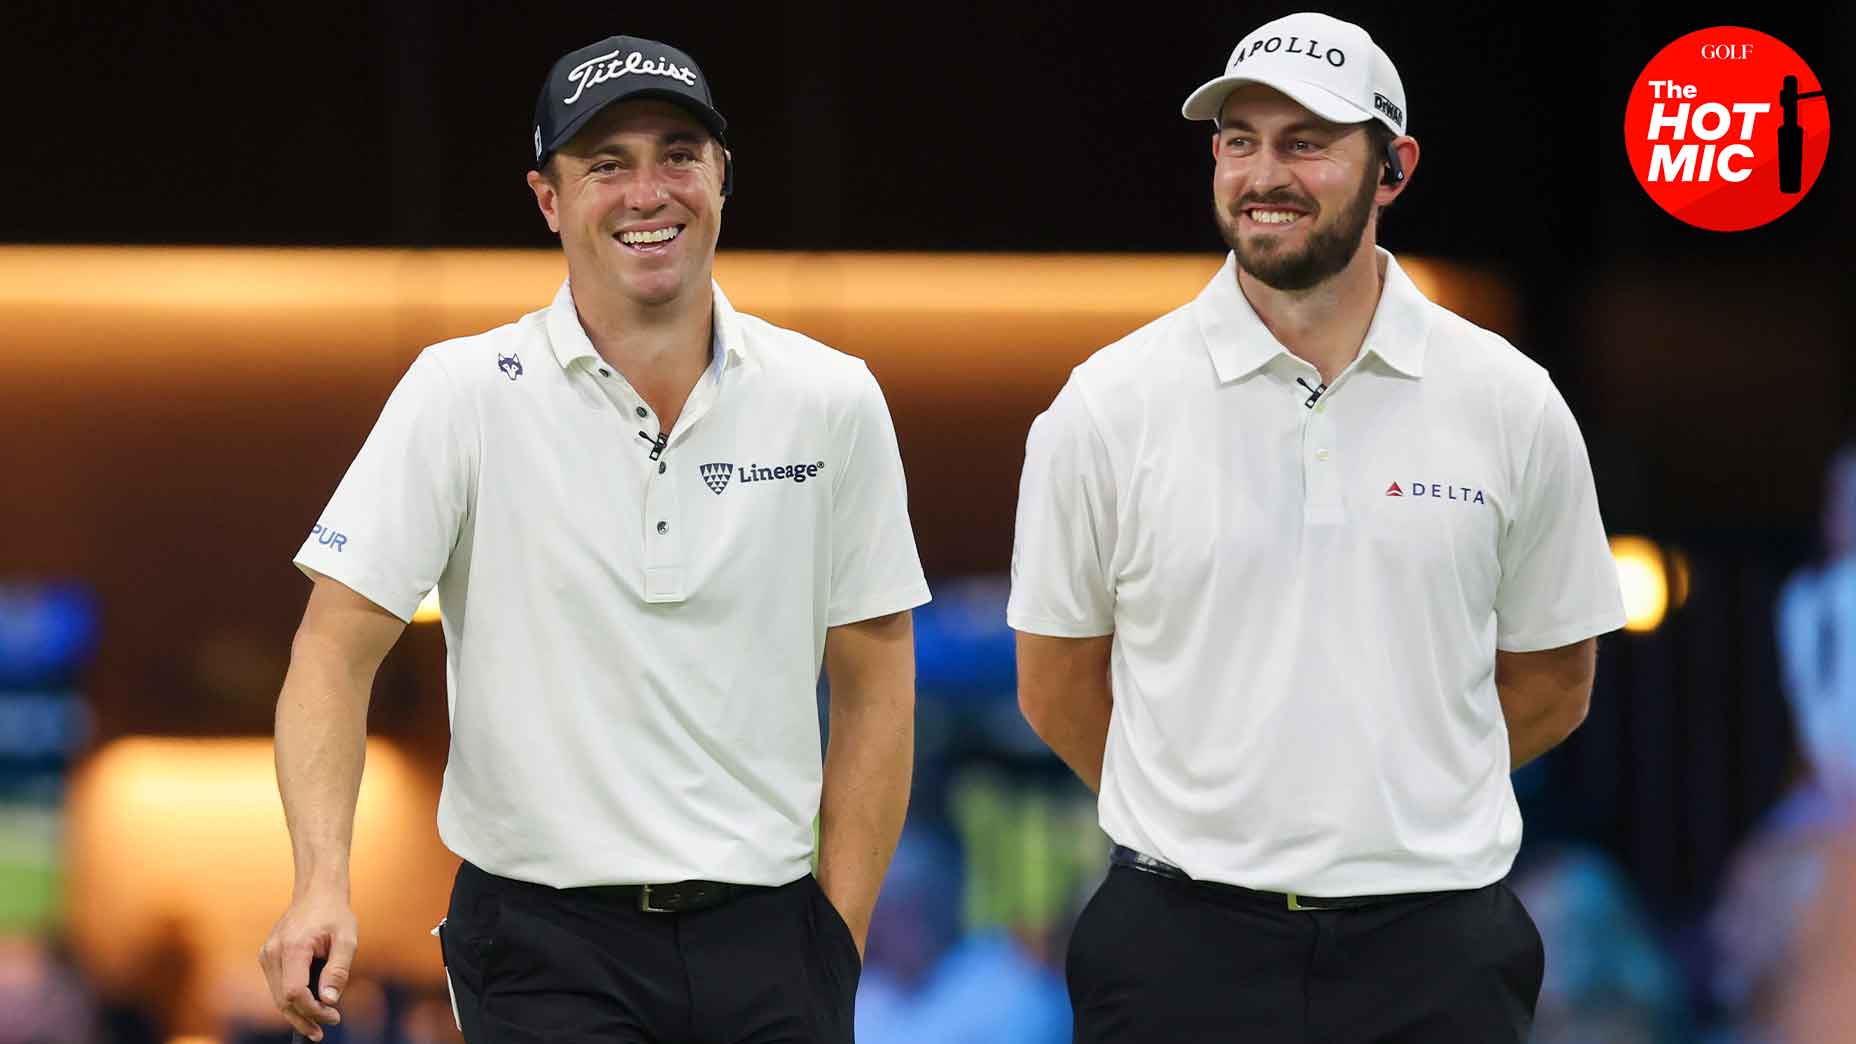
point(676, 897)
point(1121, 855)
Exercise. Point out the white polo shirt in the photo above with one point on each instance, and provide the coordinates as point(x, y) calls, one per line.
point(1306, 602)
point(633, 638)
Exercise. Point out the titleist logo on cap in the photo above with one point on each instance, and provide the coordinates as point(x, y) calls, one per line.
point(609, 66)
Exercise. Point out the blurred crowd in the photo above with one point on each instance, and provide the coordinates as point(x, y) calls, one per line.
point(967, 942)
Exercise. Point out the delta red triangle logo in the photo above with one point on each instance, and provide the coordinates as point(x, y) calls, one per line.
point(1394, 491)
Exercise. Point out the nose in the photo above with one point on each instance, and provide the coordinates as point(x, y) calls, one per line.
point(646, 192)
point(1267, 171)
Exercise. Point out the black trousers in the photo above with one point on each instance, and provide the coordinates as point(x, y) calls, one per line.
point(528, 963)
point(1154, 959)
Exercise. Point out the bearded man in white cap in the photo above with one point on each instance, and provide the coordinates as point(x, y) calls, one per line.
point(1303, 570)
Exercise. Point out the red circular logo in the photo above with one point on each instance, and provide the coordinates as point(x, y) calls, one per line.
point(1727, 128)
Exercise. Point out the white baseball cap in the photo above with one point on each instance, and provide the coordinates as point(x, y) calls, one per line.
point(1329, 67)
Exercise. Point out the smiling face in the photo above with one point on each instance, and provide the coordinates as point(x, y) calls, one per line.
point(636, 197)
point(1292, 193)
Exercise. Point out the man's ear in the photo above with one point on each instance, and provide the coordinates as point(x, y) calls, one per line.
point(1405, 147)
point(547, 198)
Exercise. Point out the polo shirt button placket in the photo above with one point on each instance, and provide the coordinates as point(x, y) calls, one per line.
point(1323, 505)
point(664, 573)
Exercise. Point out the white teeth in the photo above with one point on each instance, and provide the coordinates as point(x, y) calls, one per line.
point(662, 235)
point(1273, 217)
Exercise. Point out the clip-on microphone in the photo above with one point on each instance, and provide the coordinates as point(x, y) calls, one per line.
point(1314, 394)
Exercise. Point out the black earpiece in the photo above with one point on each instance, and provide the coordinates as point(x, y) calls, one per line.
point(728, 175)
point(1395, 171)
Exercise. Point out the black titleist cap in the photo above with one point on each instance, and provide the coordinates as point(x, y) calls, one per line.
point(615, 69)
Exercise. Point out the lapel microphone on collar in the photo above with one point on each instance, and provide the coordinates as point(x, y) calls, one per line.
point(1314, 394)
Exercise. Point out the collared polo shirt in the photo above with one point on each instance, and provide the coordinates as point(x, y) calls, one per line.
point(634, 632)
point(1306, 600)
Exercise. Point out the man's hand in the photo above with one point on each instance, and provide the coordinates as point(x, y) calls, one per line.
point(317, 924)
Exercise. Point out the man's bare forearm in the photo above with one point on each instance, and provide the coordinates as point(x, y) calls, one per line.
point(1079, 735)
point(869, 760)
point(321, 746)
point(1066, 697)
point(1544, 696)
point(321, 749)
point(1531, 736)
point(868, 764)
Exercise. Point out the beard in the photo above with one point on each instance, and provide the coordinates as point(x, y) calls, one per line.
point(1328, 249)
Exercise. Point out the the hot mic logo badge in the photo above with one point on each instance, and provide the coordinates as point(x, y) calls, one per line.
point(1727, 128)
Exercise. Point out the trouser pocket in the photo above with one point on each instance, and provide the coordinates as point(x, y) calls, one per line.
point(464, 943)
point(835, 951)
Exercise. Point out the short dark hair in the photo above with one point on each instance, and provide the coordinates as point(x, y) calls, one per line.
point(1379, 137)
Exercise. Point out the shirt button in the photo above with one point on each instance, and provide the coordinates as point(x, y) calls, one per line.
point(660, 467)
point(662, 528)
point(1321, 454)
point(641, 411)
point(603, 372)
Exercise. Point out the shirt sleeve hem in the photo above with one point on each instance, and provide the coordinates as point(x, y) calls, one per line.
point(367, 588)
point(1049, 628)
point(1554, 638)
point(895, 601)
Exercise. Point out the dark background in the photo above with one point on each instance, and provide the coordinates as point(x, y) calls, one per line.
point(1712, 372)
point(958, 126)
point(990, 127)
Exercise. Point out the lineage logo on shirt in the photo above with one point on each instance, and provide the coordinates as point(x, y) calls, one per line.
point(716, 475)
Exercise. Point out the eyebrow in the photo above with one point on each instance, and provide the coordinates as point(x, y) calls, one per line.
point(1300, 127)
point(665, 140)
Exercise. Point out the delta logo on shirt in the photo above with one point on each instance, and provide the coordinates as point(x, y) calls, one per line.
point(1437, 491)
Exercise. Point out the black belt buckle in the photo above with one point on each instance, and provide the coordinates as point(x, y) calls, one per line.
point(644, 901)
point(682, 896)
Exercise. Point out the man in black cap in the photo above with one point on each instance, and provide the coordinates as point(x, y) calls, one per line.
point(650, 519)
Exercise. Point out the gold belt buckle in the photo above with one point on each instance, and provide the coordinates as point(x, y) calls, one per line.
point(644, 901)
point(1295, 903)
